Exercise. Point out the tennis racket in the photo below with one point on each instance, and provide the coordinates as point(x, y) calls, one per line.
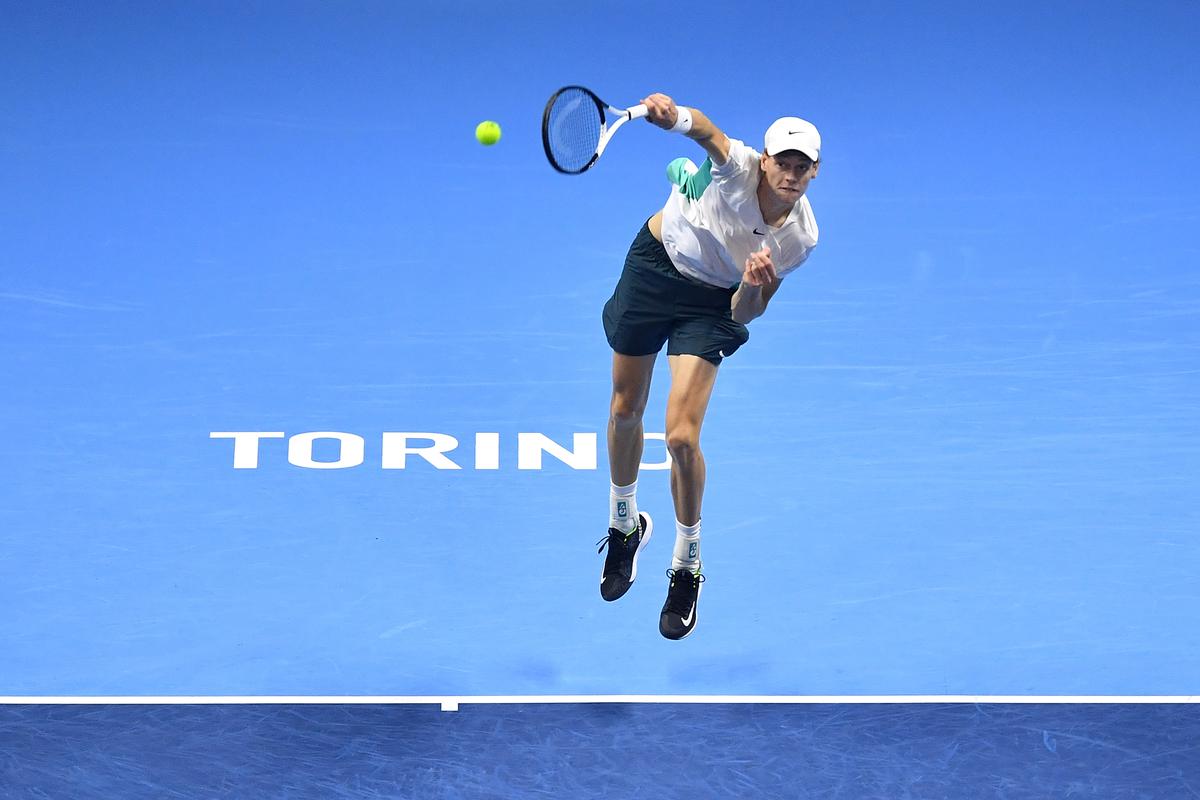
point(576, 127)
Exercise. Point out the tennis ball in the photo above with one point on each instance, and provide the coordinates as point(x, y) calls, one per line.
point(487, 132)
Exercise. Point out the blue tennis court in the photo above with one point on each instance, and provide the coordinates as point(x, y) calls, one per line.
point(305, 398)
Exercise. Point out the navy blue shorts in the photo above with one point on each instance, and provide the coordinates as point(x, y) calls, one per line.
point(654, 303)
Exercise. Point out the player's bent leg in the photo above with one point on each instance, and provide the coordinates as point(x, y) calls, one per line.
point(629, 530)
point(630, 390)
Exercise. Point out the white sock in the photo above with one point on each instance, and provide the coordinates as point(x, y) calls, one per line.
point(687, 547)
point(622, 507)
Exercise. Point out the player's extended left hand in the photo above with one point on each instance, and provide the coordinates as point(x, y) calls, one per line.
point(760, 269)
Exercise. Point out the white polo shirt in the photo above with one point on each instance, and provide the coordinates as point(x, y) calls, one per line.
point(710, 238)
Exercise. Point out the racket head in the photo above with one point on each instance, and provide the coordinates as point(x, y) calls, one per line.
point(572, 127)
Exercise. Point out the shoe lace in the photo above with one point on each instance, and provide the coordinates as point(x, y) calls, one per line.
point(615, 540)
point(682, 593)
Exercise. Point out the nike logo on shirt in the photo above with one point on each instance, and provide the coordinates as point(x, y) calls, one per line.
point(760, 233)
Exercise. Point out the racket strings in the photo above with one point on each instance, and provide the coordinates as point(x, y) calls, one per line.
point(573, 128)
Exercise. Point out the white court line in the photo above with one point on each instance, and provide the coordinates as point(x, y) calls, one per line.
point(453, 702)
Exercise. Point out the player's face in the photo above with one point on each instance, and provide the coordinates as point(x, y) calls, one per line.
point(789, 173)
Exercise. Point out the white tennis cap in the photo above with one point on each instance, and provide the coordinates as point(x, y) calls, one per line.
point(793, 133)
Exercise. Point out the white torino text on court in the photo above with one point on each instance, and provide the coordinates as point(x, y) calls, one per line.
point(397, 447)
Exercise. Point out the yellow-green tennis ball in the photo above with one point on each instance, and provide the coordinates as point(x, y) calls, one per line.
point(487, 132)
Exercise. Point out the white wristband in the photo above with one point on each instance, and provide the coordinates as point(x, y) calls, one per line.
point(683, 120)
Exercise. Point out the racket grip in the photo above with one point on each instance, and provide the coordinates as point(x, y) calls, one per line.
point(638, 111)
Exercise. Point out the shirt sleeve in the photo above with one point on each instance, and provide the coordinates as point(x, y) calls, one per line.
point(737, 176)
point(803, 257)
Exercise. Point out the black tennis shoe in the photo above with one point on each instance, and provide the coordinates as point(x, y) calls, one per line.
point(679, 614)
point(620, 565)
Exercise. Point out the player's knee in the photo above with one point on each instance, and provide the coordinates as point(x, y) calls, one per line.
point(626, 410)
point(683, 442)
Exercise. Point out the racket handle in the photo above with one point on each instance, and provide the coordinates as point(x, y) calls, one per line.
point(638, 111)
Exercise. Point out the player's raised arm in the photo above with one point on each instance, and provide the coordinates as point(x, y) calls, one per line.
point(691, 122)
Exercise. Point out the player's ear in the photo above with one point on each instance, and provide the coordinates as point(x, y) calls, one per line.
point(816, 167)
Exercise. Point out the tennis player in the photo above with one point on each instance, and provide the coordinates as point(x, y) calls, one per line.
point(700, 269)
